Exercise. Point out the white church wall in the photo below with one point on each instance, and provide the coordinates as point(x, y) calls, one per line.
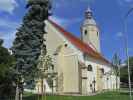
point(108, 81)
point(66, 63)
point(54, 40)
point(71, 71)
point(90, 80)
point(91, 75)
point(57, 39)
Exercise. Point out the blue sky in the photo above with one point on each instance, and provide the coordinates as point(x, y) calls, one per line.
point(70, 14)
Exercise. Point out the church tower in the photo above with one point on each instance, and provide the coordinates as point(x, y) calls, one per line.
point(90, 31)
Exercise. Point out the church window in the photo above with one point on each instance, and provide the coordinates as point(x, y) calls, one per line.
point(85, 32)
point(52, 67)
point(102, 70)
point(65, 45)
point(97, 33)
point(84, 77)
point(89, 68)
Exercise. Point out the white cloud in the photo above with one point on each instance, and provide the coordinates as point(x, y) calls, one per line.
point(130, 49)
point(64, 21)
point(125, 2)
point(119, 34)
point(8, 5)
point(66, 3)
point(61, 21)
point(8, 38)
point(87, 1)
point(5, 23)
point(8, 30)
point(128, 0)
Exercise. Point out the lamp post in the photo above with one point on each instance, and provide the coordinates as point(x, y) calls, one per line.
point(126, 49)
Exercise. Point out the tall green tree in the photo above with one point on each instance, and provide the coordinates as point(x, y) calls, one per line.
point(30, 41)
point(7, 75)
point(124, 72)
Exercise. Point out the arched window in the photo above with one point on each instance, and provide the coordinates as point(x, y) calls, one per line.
point(85, 32)
point(102, 70)
point(66, 45)
point(89, 68)
point(97, 34)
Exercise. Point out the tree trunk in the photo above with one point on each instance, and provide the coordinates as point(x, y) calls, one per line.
point(42, 88)
point(116, 82)
point(17, 93)
point(21, 96)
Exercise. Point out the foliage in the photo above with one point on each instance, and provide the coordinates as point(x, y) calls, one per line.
point(7, 75)
point(45, 64)
point(29, 42)
point(1, 42)
point(47, 69)
point(124, 72)
point(50, 70)
point(30, 38)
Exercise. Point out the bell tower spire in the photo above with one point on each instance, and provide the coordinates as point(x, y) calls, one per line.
point(90, 31)
point(88, 13)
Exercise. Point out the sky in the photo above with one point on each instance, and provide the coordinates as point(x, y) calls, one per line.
point(109, 15)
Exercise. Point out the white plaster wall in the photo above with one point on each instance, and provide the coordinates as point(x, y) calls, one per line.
point(107, 84)
point(92, 36)
point(55, 38)
point(66, 61)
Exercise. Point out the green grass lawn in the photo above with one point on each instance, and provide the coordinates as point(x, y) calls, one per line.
point(103, 96)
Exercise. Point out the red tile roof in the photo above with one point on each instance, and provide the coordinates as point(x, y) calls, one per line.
point(79, 44)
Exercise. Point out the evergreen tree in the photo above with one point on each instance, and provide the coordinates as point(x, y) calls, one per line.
point(30, 40)
point(7, 75)
point(124, 72)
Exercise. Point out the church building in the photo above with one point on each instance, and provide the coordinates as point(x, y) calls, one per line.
point(78, 62)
